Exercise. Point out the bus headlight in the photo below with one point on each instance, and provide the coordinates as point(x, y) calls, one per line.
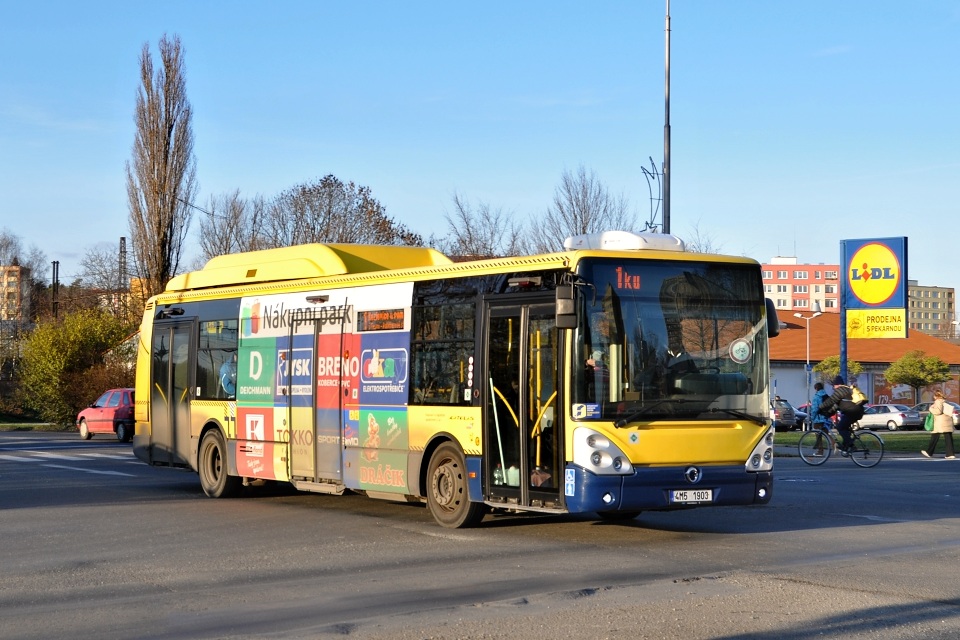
point(761, 459)
point(597, 454)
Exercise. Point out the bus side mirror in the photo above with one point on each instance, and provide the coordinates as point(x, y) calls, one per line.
point(566, 307)
point(773, 321)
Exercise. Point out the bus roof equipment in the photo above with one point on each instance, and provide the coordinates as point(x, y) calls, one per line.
point(624, 241)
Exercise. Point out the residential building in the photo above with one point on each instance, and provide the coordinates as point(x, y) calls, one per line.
point(14, 293)
point(932, 310)
point(795, 287)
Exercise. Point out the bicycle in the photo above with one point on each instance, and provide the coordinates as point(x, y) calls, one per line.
point(817, 445)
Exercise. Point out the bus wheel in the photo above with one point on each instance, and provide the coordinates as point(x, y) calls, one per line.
point(214, 479)
point(85, 430)
point(447, 489)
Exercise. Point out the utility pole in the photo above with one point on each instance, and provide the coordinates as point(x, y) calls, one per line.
point(122, 278)
point(55, 288)
point(666, 132)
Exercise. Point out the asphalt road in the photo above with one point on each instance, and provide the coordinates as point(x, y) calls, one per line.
point(98, 545)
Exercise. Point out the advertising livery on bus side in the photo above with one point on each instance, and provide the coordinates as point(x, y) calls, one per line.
point(623, 374)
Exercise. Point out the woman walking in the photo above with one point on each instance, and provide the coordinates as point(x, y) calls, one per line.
point(942, 423)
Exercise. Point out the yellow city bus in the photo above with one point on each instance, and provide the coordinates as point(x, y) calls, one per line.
point(620, 375)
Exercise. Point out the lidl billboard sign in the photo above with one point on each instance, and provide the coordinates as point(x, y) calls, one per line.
point(874, 292)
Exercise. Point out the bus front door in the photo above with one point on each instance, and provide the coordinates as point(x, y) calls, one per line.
point(522, 450)
point(171, 381)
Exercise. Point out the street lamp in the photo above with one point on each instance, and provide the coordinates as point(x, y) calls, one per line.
point(806, 370)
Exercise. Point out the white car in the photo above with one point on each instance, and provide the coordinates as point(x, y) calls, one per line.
point(890, 416)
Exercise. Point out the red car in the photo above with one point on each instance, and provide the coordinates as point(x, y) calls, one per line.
point(111, 413)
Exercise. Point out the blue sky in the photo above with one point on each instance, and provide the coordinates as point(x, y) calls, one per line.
point(794, 124)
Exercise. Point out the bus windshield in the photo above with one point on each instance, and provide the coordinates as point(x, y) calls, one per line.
point(670, 340)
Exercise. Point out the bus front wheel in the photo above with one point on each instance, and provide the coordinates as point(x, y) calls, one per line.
point(447, 489)
point(214, 479)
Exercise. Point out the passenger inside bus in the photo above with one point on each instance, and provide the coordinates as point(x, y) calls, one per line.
point(228, 376)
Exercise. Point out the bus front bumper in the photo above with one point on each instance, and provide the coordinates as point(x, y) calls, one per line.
point(657, 488)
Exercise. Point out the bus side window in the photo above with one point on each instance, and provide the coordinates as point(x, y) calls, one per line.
point(218, 345)
point(441, 350)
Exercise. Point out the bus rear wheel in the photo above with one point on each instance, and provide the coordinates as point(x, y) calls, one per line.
point(214, 479)
point(447, 489)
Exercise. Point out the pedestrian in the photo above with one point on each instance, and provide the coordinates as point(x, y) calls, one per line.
point(942, 423)
point(842, 400)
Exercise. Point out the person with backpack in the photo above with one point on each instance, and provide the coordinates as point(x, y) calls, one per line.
point(848, 401)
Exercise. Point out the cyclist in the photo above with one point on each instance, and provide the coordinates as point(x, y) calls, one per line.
point(819, 421)
point(842, 399)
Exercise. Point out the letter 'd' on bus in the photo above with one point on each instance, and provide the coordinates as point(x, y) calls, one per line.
point(256, 365)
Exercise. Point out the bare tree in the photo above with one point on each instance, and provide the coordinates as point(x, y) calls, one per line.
point(700, 242)
point(161, 180)
point(331, 210)
point(13, 253)
point(233, 224)
point(479, 232)
point(99, 267)
point(581, 204)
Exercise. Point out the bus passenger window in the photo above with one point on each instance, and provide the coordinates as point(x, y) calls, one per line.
point(441, 351)
point(216, 351)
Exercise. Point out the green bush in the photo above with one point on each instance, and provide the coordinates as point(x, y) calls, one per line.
point(65, 365)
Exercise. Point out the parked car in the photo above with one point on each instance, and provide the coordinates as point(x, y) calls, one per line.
point(889, 416)
point(111, 413)
point(924, 408)
point(783, 415)
point(805, 408)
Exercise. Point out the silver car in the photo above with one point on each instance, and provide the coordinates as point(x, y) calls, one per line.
point(782, 415)
point(924, 408)
point(890, 416)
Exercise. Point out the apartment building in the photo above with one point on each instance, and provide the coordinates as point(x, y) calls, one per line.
point(795, 287)
point(932, 310)
point(14, 293)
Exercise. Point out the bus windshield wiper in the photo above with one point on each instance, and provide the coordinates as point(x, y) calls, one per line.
point(622, 422)
point(739, 414)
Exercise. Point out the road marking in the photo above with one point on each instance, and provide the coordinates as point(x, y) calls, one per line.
point(873, 518)
point(103, 473)
point(52, 456)
point(111, 456)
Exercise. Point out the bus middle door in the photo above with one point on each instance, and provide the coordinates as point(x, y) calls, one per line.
point(314, 404)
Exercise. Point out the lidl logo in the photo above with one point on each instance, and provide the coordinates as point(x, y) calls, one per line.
point(874, 273)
